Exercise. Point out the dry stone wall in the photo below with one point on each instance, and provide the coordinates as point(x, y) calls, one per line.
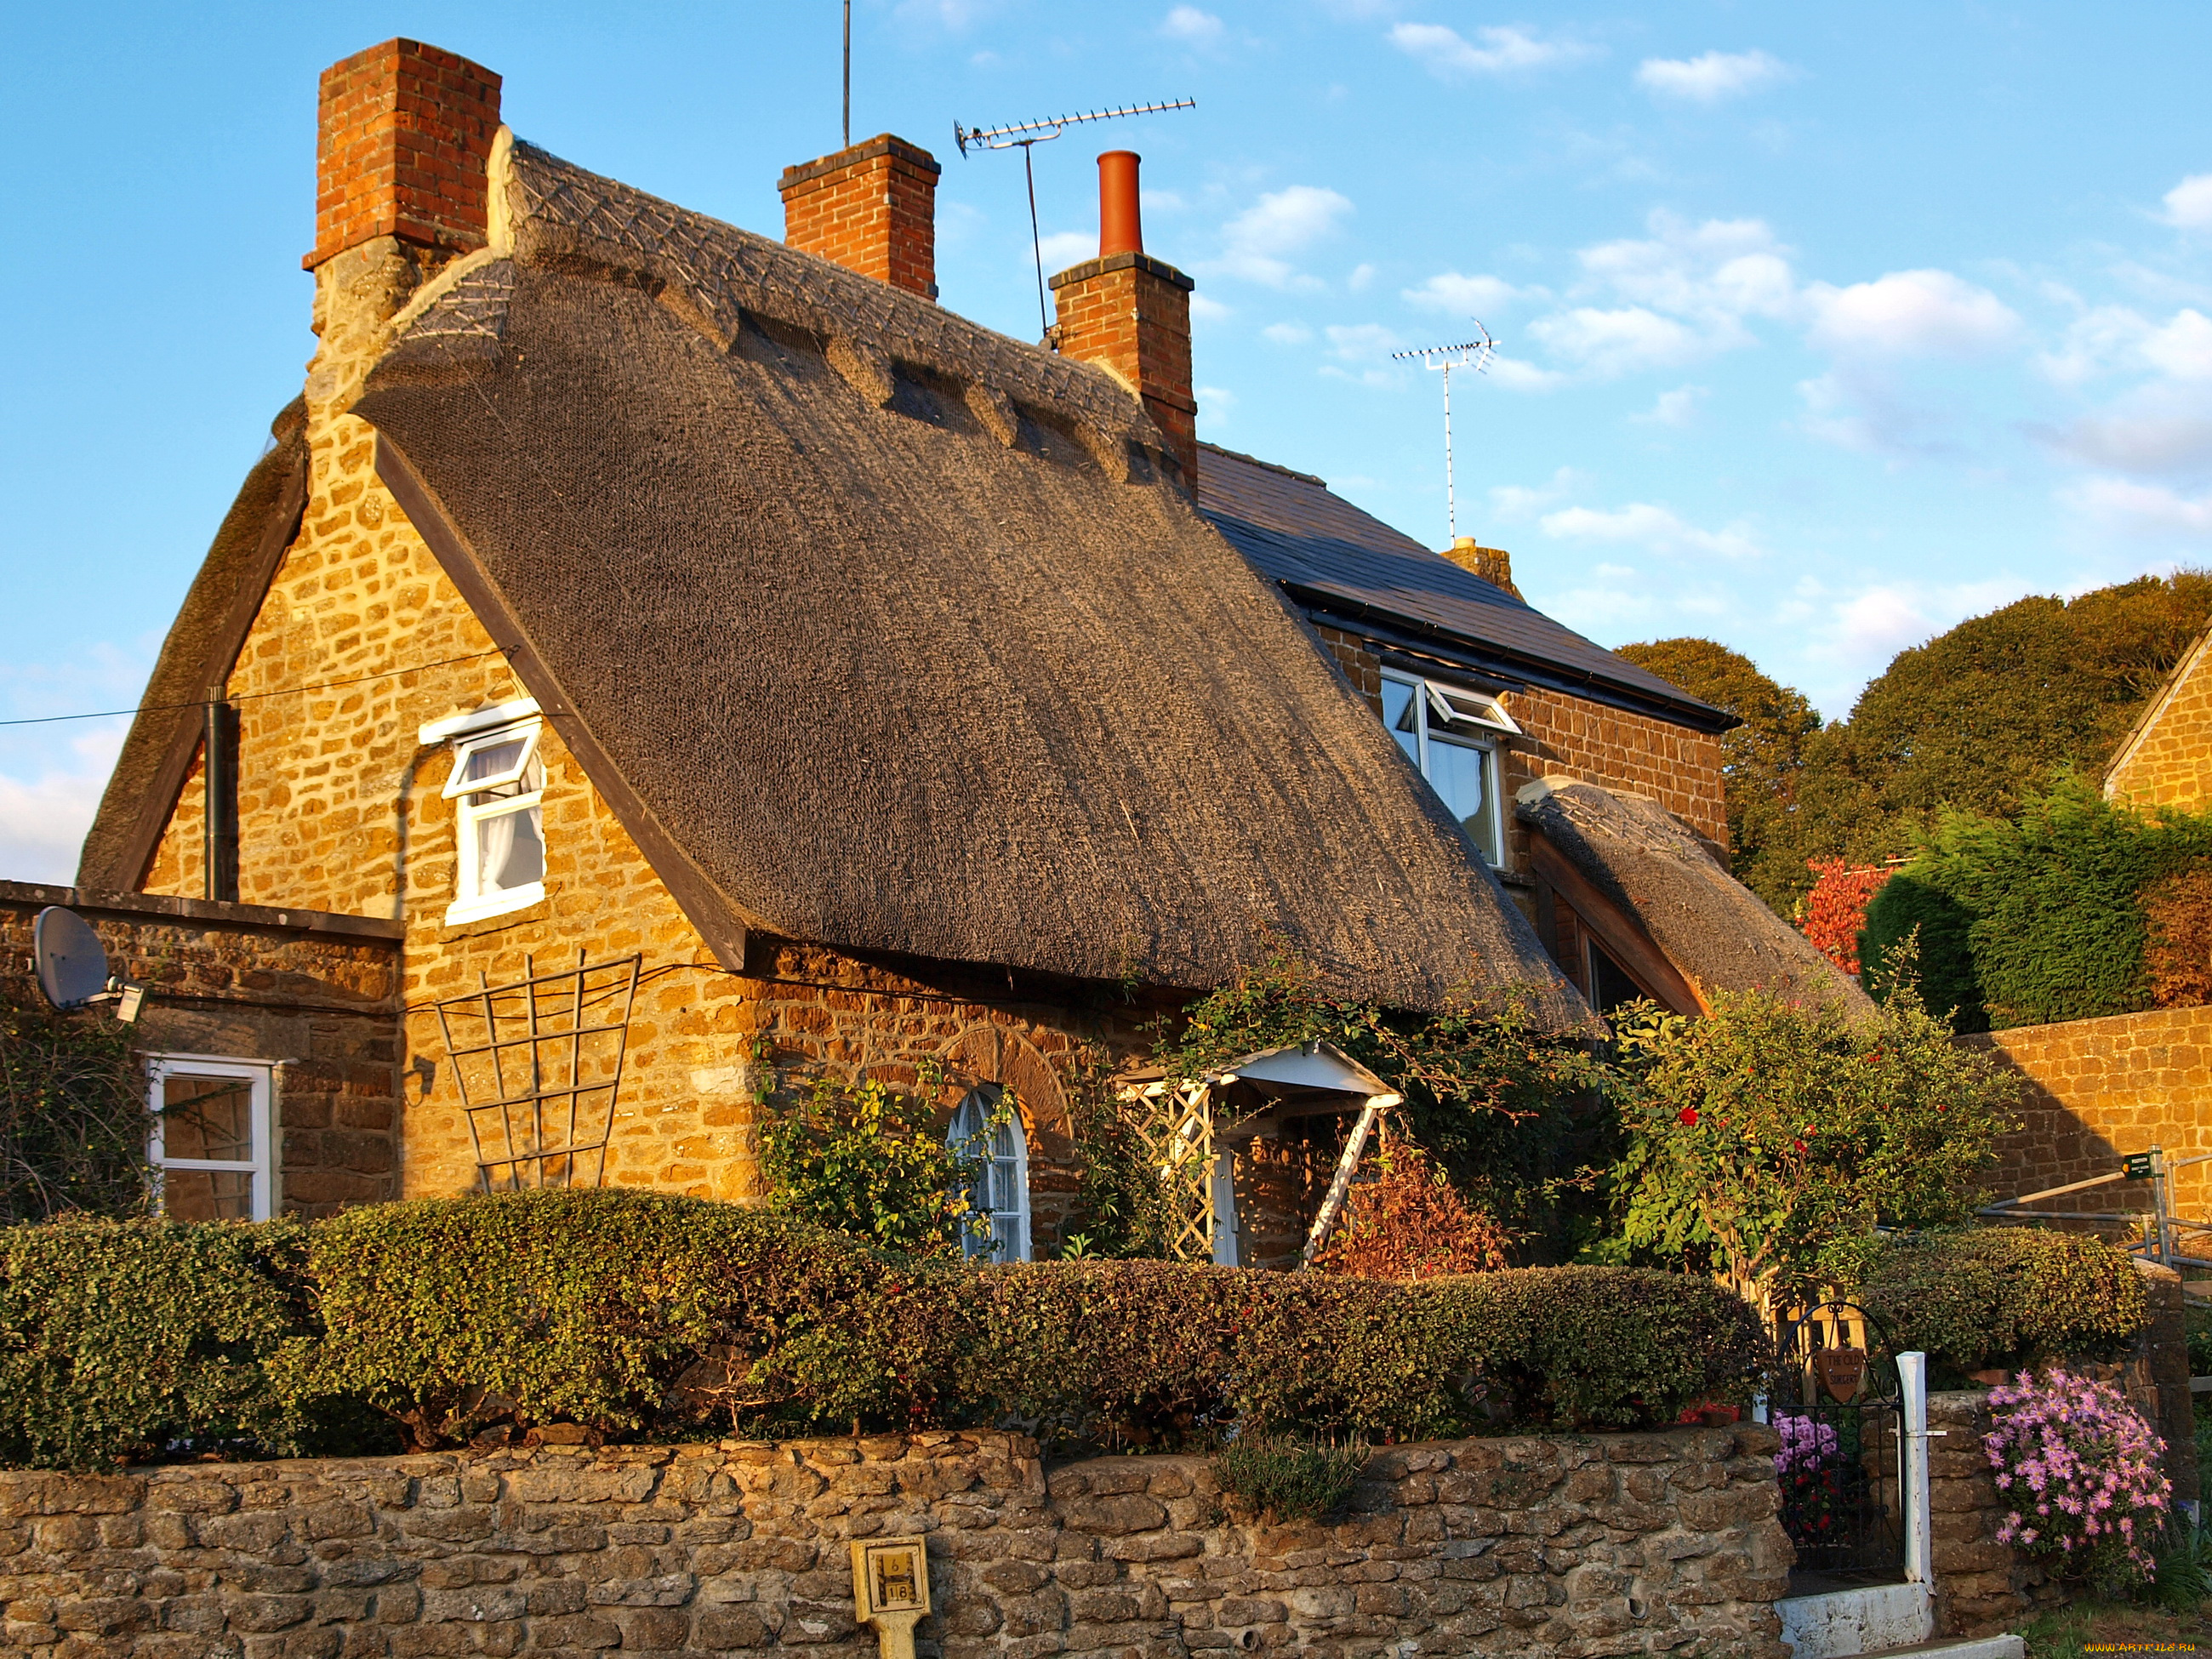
point(1596, 1545)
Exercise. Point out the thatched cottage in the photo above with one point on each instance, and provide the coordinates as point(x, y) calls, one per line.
point(720, 661)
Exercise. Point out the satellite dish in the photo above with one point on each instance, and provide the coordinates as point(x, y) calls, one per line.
point(72, 963)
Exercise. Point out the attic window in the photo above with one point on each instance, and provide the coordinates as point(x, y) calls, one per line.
point(497, 786)
point(1452, 734)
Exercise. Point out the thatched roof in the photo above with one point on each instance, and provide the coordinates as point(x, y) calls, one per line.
point(202, 644)
point(1717, 933)
point(1349, 566)
point(885, 631)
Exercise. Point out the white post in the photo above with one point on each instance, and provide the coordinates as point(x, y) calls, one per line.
point(1919, 1525)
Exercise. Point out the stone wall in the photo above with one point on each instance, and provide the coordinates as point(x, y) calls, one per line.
point(316, 993)
point(2099, 1089)
point(1598, 1544)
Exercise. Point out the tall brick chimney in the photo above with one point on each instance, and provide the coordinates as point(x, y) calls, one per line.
point(405, 132)
point(871, 208)
point(1130, 313)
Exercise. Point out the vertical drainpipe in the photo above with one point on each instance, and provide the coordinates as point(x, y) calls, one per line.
point(218, 773)
point(1919, 1521)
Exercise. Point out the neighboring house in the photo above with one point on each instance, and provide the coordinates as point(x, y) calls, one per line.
point(722, 662)
point(2165, 759)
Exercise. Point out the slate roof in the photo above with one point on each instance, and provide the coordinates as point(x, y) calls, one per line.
point(1331, 556)
point(886, 632)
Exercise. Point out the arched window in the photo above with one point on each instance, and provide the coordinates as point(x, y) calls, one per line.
point(988, 1126)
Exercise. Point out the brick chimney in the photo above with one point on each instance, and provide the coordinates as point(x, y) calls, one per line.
point(1493, 564)
point(871, 208)
point(1130, 313)
point(403, 133)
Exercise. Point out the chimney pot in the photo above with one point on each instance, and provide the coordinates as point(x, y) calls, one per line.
point(1121, 221)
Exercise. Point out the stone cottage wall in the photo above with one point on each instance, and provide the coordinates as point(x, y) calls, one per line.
point(1601, 1544)
point(317, 991)
point(2098, 1089)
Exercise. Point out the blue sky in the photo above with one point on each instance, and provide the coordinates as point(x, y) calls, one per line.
point(1823, 326)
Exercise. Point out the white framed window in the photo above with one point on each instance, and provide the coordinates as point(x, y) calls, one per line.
point(1453, 735)
point(210, 1140)
point(986, 1125)
point(498, 790)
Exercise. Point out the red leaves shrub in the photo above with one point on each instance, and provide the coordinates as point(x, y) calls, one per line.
point(1833, 915)
point(2178, 956)
point(1411, 1222)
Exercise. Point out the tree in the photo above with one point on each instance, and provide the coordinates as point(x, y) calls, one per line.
point(1766, 1140)
point(1762, 760)
point(1982, 715)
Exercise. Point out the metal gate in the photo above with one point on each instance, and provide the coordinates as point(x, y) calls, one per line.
point(1838, 1407)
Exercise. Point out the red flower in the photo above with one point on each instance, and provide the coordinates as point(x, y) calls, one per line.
point(1687, 1117)
point(1799, 1145)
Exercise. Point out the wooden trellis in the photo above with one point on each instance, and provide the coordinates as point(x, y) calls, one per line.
point(1175, 1123)
point(539, 1088)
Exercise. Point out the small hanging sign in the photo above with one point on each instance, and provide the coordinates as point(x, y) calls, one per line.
point(2137, 1166)
point(890, 1590)
point(1841, 1370)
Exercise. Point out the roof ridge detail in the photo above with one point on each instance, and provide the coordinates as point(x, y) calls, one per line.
point(1272, 467)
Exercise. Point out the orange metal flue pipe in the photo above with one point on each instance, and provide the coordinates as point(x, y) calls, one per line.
point(1120, 229)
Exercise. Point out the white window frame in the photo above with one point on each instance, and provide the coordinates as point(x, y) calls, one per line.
point(971, 1117)
point(261, 1117)
point(1457, 707)
point(471, 903)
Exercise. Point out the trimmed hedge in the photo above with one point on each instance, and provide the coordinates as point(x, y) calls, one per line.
point(638, 1313)
point(1986, 1297)
point(138, 1339)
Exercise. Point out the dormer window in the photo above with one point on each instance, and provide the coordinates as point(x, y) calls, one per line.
point(497, 786)
point(1452, 734)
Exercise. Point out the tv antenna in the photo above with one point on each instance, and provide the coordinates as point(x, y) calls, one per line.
point(1474, 354)
point(72, 966)
point(848, 74)
point(1025, 136)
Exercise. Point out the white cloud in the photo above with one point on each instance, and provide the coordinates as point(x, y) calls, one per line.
point(1910, 314)
point(1712, 76)
point(1281, 222)
point(1360, 342)
point(1643, 524)
point(2152, 441)
point(2181, 349)
point(1205, 308)
point(44, 813)
point(1448, 290)
point(1605, 344)
point(1214, 404)
point(1062, 248)
point(1717, 271)
point(1362, 274)
point(2189, 204)
point(1675, 408)
point(1516, 375)
point(2110, 337)
point(2122, 504)
point(1855, 408)
point(1525, 501)
point(1192, 27)
point(1286, 333)
point(1504, 51)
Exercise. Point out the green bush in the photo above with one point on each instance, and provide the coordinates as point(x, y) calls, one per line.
point(1282, 1480)
point(138, 1339)
point(1907, 907)
point(72, 1117)
point(2053, 903)
point(643, 1314)
point(1987, 1298)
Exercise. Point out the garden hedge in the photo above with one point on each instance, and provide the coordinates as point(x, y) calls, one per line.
point(1989, 1297)
point(645, 1314)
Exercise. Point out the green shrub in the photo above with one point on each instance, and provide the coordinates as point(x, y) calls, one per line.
point(1986, 1297)
point(1908, 908)
point(593, 1306)
point(638, 1313)
point(133, 1340)
point(72, 1117)
point(1280, 1479)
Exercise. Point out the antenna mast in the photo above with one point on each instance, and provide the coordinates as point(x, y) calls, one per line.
point(1474, 354)
point(848, 74)
point(1039, 133)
